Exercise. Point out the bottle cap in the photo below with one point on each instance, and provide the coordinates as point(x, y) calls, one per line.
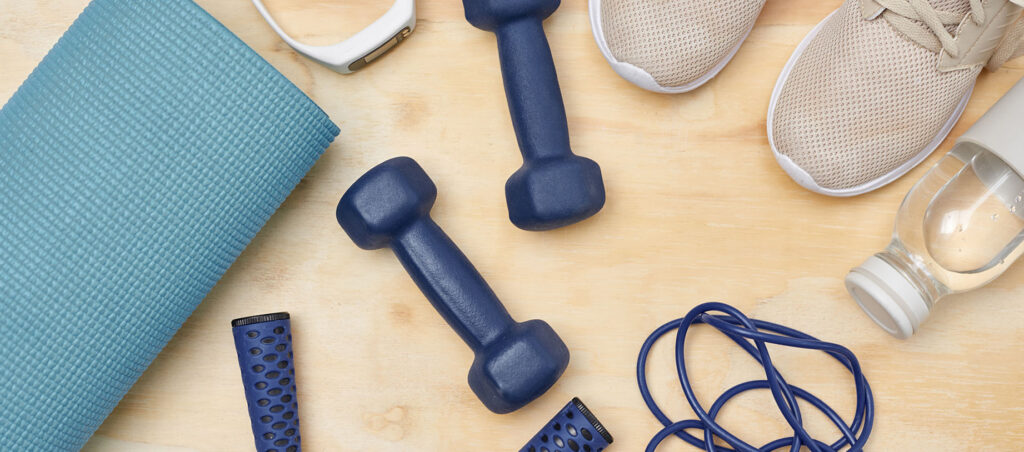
point(998, 130)
point(888, 297)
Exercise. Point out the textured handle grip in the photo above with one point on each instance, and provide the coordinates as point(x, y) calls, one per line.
point(451, 283)
point(264, 346)
point(531, 87)
point(574, 429)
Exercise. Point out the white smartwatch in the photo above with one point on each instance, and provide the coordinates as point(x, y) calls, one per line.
point(361, 49)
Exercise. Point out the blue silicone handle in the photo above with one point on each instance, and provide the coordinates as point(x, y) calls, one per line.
point(265, 357)
point(574, 429)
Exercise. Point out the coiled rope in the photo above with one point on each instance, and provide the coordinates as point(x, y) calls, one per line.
point(752, 336)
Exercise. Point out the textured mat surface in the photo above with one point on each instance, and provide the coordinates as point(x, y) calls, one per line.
point(136, 162)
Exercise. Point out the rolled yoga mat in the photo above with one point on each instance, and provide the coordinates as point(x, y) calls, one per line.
point(136, 162)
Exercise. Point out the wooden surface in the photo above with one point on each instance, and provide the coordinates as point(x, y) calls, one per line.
point(697, 210)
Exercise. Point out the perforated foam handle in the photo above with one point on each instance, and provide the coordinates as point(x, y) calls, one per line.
point(264, 346)
point(573, 429)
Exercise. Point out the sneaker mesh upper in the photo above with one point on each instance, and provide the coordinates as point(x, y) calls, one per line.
point(862, 100)
point(676, 41)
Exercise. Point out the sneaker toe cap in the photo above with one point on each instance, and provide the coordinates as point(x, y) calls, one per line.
point(857, 106)
point(674, 45)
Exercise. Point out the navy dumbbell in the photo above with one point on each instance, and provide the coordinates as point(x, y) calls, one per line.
point(554, 187)
point(515, 363)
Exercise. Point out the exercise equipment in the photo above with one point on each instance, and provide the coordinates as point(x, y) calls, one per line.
point(554, 187)
point(573, 429)
point(265, 357)
point(515, 363)
point(136, 162)
point(751, 335)
point(362, 48)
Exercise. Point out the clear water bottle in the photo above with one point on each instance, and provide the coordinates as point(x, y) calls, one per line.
point(959, 228)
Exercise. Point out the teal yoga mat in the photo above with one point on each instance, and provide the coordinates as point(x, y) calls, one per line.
point(136, 162)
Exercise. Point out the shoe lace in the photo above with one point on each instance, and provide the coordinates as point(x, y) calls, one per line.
point(920, 22)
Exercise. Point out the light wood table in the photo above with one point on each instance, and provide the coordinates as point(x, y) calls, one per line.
point(697, 210)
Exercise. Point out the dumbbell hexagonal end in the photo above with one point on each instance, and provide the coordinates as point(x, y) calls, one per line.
point(384, 201)
point(519, 367)
point(490, 14)
point(551, 193)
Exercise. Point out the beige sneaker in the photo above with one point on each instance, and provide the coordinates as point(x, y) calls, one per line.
point(877, 85)
point(671, 46)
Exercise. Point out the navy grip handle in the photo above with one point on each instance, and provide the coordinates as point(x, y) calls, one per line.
point(531, 87)
point(575, 429)
point(265, 357)
point(451, 283)
point(528, 70)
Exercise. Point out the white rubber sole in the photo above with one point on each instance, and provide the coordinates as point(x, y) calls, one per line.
point(640, 77)
point(800, 176)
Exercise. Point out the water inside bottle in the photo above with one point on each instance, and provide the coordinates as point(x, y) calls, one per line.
point(963, 223)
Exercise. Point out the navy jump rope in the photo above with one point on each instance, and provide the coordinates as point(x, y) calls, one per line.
point(752, 336)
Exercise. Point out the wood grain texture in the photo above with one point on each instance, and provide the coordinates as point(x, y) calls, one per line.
point(697, 210)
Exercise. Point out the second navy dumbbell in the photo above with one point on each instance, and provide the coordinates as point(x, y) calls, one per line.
point(554, 187)
point(515, 363)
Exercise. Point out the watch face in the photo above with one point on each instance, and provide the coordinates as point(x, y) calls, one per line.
point(379, 51)
point(354, 54)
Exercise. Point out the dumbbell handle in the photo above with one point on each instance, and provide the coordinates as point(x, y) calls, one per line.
point(451, 283)
point(531, 87)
